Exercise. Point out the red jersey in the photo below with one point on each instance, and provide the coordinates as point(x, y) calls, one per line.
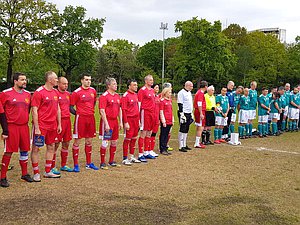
point(166, 106)
point(111, 104)
point(199, 100)
point(16, 106)
point(130, 107)
point(64, 103)
point(157, 106)
point(84, 100)
point(147, 99)
point(1, 108)
point(47, 103)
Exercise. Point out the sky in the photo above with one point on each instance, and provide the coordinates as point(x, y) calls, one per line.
point(139, 20)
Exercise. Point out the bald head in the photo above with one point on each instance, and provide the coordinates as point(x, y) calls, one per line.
point(62, 84)
point(230, 85)
point(188, 86)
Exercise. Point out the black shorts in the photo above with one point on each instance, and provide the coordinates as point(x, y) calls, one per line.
point(184, 127)
point(210, 118)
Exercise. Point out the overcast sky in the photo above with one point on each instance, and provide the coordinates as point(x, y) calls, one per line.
point(139, 20)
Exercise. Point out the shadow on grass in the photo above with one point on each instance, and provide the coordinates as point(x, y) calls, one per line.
point(240, 210)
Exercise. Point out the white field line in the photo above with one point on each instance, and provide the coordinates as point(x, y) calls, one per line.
point(256, 148)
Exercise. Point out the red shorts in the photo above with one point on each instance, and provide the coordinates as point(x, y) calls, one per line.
point(51, 136)
point(134, 127)
point(147, 120)
point(66, 133)
point(84, 127)
point(114, 126)
point(198, 121)
point(18, 138)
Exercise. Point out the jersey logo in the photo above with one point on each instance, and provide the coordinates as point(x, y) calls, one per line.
point(14, 100)
point(92, 95)
point(47, 98)
point(83, 96)
point(67, 97)
point(55, 98)
point(59, 98)
point(26, 100)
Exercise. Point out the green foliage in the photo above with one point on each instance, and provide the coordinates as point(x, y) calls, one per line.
point(292, 74)
point(71, 42)
point(23, 21)
point(204, 52)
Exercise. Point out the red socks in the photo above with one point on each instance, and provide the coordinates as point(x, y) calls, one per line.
point(132, 146)
point(48, 166)
point(112, 152)
point(147, 144)
point(88, 153)
point(35, 167)
point(126, 144)
point(53, 161)
point(152, 142)
point(141, 145)
point(23, 161)
point(5, 164)
point(64, 157)
point(102, 154)
point(75, 150)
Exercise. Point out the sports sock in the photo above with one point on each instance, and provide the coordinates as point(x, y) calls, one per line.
point(197, 141)
point(207, 135)
point(126, 143)
point(273, 127)
point(132, 146)
point(231, 129)
point(152, 143)
point(88, 153)
point(264, 128)
point(184, 139)
point(48, 165)
point(53, 161)
point(23, 161)
point(112, 152)
point(290, 125)
point(260, 129)
point(220, 132)
point(64, 156)
point(35, 167)
point(102, 154)
point(75, 150)
point(269, 126)
point(147, 144)
point(203, 136)
point(247, 129)
point(294, 127)
point(250, 129)
point(141, 145)
point(283, 124)
point(216, 134)
point(5, 163)
point(180, 140)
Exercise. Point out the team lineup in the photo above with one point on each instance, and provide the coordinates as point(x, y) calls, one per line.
point(140, 113)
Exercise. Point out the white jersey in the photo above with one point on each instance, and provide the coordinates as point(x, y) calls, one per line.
point(185, 98)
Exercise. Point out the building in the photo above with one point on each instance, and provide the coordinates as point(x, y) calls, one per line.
point(279, 33)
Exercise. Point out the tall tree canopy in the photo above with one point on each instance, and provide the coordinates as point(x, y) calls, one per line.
point(23, 21)
point(73, 39)
point(204, 52)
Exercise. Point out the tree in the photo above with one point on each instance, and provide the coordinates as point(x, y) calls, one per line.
point(71, 42)
point(292, 73)
point(237, 33)
point(119, 57)
point(204, 52)
point(23, 21)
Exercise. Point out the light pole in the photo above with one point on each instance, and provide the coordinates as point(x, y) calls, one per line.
point(163, 26)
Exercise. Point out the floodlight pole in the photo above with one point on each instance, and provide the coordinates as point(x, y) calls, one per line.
point(163, 26)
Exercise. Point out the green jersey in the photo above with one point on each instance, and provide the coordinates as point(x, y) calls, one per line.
point(282, 101)
point(236, 98)
point(272, 106)
point(223, 102)
point(296, 99)
point(253, 99)
point(244, 102)
point(263, 99)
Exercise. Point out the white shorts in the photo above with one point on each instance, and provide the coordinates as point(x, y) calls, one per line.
point(275, 116)
point(263, 119)
point(293, 114)
point(233, 117)
point(252, 114)
point(221, 121)
point(243, 116)
point(286, 111)
point(199, 124)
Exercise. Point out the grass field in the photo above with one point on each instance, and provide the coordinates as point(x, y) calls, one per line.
point(255, 183)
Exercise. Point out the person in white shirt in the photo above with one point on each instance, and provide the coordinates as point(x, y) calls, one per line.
point(185, 109)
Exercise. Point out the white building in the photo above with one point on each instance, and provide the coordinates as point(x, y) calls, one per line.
point(279, 33)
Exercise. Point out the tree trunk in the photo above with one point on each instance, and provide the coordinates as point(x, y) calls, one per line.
point(9, 67)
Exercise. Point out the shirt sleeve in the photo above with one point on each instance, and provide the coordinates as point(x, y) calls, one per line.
point(1, 107)
point(102, 102)
point(140, 95)
point(180, 97)
point(74, 98)
point(36, 99)
point(124, 109)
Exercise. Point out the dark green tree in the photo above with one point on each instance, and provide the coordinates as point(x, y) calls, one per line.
point(23, 21)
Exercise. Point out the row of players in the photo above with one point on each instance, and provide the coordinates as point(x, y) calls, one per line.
point(143, 111)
